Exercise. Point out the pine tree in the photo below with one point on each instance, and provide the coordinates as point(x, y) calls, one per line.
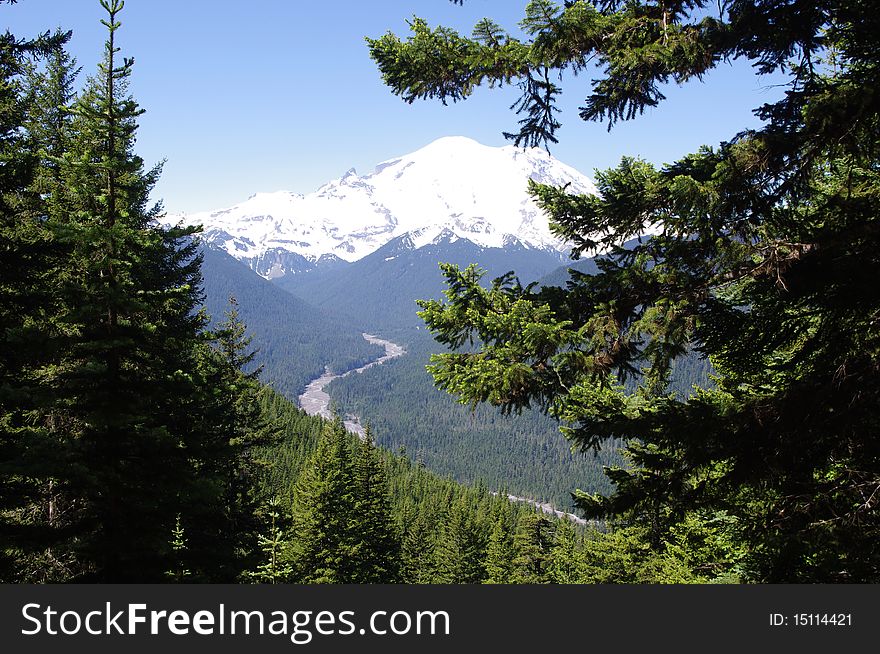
point(322, 539)
point(114, 440)
point(180, 573)
point(565, 564)
point(130, 292)
point(620, 556)
point(227, 426)
point(532, 544)
point(274, 568)
point(500, 552)
point(459, 551)
point(418, 550)
point(30, 455)
point(763, 260)
point(378, 550)
point(50, 96)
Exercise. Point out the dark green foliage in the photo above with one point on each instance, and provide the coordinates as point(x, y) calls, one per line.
point(49, 96)
point(407, 411)
point(283, 461)
point(444, 527)
point(128, 294)
point(764, 261)
point(126, 427)
point(378, 551)
point(29, 513)
point(131, 378)
point(523, 452)
point(533, 543)
point(499, 551)
point(460, 548)
point(342, 528)
point(417, 554)
point(459, 534)
point(228, 429)
point(565, 564)
point(323, 536)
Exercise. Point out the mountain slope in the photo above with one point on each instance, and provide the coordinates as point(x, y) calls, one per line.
point(295, 340)
point(526, 453)
point(381, 289)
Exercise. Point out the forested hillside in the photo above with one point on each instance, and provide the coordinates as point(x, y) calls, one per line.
point(294, 340)
point(138, 443)
point(416, 527)
point(380, 290)
point(525, 453)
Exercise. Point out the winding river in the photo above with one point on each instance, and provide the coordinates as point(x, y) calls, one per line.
point(316, 402)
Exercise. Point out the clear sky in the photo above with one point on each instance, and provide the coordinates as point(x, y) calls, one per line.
point(270, 95)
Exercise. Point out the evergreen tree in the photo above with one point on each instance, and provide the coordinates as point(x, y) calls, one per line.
point(50, 96)
point(130, 292)
point(500, 552)
point(565, 564)
point(532, 544)
point(30, 456)
point(112, 438)
point(763, 259)
point(227, 426)
point(418, 551)
point(429, 509)
point(323, 545)
point(459, 551)
point(378, 550)
point(621, 556)
point(180, 573)
point(274, 569)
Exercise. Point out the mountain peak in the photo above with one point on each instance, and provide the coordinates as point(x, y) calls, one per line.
point(451, 143)
point(453, 186)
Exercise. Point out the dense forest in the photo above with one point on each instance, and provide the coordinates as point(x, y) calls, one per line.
point(524, 453)
point(341, 510)
point(137, 441)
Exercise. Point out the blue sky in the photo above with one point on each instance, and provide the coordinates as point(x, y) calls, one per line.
point(281, 95)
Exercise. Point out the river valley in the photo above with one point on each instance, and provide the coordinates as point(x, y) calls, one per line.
point(315, 400)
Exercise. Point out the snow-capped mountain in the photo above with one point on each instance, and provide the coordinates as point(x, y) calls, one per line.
point(451, 188)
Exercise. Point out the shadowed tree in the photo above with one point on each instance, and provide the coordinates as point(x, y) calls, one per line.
point(763, 257)
point(378, 549)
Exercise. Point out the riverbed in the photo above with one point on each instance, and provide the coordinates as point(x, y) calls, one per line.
point(315, 400)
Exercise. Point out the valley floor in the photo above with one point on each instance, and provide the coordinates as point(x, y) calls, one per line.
point(315, 400)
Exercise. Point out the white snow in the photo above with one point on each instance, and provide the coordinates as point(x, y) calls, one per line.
point(452, 188)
